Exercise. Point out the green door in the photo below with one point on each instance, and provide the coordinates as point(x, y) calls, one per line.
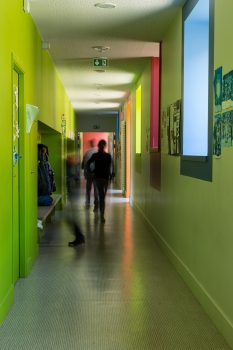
point(15, 176)
point(32, 239)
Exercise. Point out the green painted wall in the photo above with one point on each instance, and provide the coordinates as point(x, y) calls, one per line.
point(42, 87)
point(192, 219)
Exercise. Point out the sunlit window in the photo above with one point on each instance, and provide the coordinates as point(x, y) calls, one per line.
point(154, 110)
point(196, 80)
point(197, 97)
point(139, 120)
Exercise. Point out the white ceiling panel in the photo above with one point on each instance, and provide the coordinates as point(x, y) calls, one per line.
point(132, 31)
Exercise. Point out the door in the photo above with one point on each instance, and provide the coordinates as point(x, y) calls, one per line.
point(32, 239)
point(15, 206)
point(128, 149)
point(123, 158)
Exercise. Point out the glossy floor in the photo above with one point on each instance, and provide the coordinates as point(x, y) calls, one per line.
point(118, 291)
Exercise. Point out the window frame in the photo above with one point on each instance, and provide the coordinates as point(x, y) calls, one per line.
point(138, 139)
point(199, 167)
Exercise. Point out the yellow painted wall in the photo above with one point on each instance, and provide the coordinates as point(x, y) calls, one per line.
point(192, 219)
point(43, 88)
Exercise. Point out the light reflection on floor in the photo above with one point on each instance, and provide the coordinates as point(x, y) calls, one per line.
point(116, 292)
point(115, 195)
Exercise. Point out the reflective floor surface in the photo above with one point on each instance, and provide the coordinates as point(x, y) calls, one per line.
point(116, 292)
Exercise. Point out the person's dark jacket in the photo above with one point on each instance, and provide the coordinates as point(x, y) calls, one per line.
point(102, 162)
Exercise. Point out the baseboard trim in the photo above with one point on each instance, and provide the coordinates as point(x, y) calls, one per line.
point(6, 304)
point(217, 316)
point(31, 261)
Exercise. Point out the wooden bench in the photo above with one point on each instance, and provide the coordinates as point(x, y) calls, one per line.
point(46, 212)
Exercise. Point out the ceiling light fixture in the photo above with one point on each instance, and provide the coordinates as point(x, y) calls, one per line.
point(105, 5)
point(101, 48)
point(98, 84)
point(45, 45)
point(100, 70)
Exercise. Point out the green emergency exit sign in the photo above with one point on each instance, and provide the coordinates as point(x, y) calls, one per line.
point(96, 127)
point(100, 62)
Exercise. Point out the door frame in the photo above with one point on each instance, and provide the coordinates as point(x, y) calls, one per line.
point(128, 148)
point(22, 170)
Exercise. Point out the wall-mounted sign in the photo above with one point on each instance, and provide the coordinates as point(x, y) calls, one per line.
point(71, 135)
point(96, 127)
point(100, 62)
point(31, 113)
point(63, 124)
point(122, 113)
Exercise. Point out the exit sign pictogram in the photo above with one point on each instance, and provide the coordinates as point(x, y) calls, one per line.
point(100, 62)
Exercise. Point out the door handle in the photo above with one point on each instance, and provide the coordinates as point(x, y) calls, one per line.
point(32, 171)
point(14, 175)
point(16, 156)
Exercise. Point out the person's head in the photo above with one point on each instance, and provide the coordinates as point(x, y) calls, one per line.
point(72, 159)
point(101, 145)
point(43, 151)
point(93, 143)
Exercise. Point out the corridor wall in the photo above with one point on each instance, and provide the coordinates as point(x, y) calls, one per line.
point(88, 136)
point(41, 87)
point(191, 219)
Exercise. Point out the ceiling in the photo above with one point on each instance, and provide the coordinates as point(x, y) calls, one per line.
point(131, 30)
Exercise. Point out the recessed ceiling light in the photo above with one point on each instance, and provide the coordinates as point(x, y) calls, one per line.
point(101, 48)
point(105, 5)
point(100, 70)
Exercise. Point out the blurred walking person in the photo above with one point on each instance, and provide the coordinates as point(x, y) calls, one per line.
point(73, 196)
point(90, 177)
point(72, 161)
point(103, 161)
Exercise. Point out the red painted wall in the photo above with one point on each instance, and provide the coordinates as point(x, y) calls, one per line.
point(155, 158)
point(155, 98)
point(87, 136)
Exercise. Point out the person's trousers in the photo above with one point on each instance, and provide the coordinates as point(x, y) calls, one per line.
point(102, 185)
point(91, 180)
point(77, 232)
point(72, 214)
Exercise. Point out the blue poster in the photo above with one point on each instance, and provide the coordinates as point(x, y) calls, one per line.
point(227, 90)
point(226, 130)
point(217, 148)
point(218, 89)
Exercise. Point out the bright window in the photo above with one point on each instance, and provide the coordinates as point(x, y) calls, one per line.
point(197, 97)
point(139, 120)
point(154, 109)
point(196, 81)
